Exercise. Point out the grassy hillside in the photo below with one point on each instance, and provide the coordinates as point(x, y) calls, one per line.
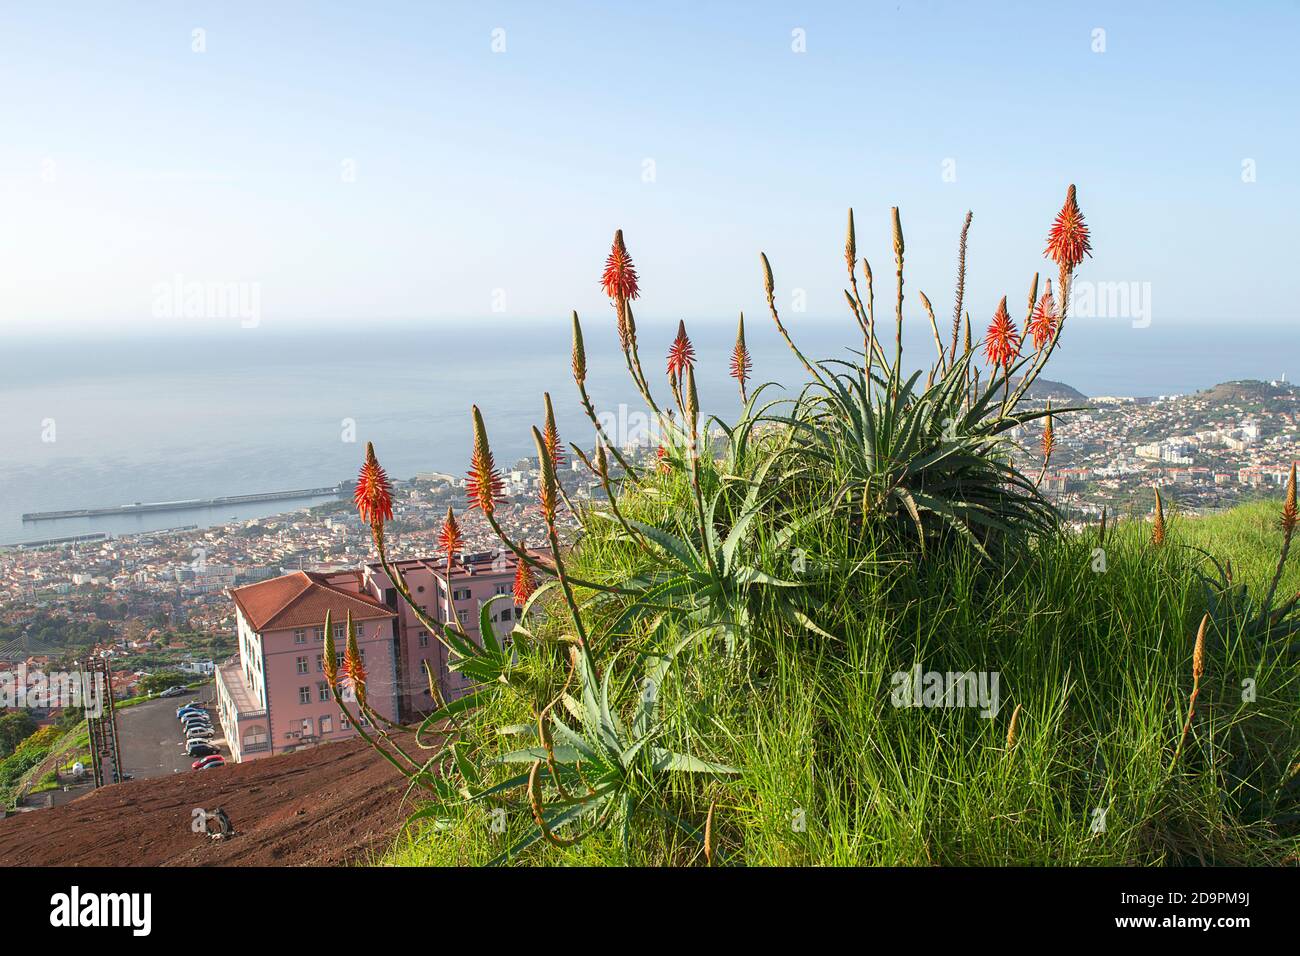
point(1099, 662)
point(849, 629)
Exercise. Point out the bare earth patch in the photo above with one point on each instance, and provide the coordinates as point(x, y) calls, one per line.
point(336, 804)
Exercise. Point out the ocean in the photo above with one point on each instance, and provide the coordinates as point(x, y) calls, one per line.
point(105, 418)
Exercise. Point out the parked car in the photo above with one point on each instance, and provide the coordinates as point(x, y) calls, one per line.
point(173, 692)
point(189, 709)
point(200, 748)
point(210, 760)
point(196, 719)
point(203, 735)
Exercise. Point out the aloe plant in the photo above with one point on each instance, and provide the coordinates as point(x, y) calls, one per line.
point(931, 456)
point(598, 770)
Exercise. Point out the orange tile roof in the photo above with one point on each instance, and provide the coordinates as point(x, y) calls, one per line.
point(301, 600)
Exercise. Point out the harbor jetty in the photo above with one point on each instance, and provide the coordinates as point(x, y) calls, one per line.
point(190, 504)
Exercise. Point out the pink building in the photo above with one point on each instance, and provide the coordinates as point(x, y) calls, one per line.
point(273, 698)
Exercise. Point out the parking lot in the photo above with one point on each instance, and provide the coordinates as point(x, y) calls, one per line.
point(151, 736)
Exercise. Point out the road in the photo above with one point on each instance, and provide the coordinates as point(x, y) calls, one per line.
point(151, 736)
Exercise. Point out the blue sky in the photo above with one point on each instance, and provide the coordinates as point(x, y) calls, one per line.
point(495, 179)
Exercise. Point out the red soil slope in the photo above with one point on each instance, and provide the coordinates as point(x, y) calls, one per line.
point(336, 804)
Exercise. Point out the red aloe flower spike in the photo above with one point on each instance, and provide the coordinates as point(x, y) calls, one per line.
point(740, 361)
point(1290, 513)
point(619, 280)
point(449, 537)
point(483, 485)
point(547, 494)
point(1002, 342)
point(552, 435)
point(525, 581)
point(1049, 437)
point(1042, 324)
point(374, 494)
point(1067, 242)
point(620, 284)
point(682, 354)
point(662, 462)
point(354, 669)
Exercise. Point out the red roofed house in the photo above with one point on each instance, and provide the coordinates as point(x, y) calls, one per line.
point(274, 697)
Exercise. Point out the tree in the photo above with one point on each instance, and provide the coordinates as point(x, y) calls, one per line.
point(15, 727)
point(153, 683)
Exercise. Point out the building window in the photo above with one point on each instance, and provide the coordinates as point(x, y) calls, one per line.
point(463, 616)
point(324, 692)
point(320, 633)
point(306, 726)
point(300, 636)
point(340, 632)
point(254, 736)
point(423, 638)
point(343, 722)
point(502, 589)
point(304, 695)
point(326, 725)
point(460, 594)
point(302, 665)
point(320, 663)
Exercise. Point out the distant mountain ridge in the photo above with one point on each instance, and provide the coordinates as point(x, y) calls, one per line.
point(1235, 391)
point(1044, 389)
point(1246, 390)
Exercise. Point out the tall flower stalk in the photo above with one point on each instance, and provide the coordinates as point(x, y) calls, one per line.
point(547, 499)
point(1068, 242)
point(353, 677)
point(551, 435)
point(579, 364)
point(741, 365)
point(1290, 516)
point(960, 293)
point(1198, 671)
point(1049, 443)
point(1158, 525)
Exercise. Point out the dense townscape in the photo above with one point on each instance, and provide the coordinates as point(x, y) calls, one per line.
point(139, 597)
point(1206, 451)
